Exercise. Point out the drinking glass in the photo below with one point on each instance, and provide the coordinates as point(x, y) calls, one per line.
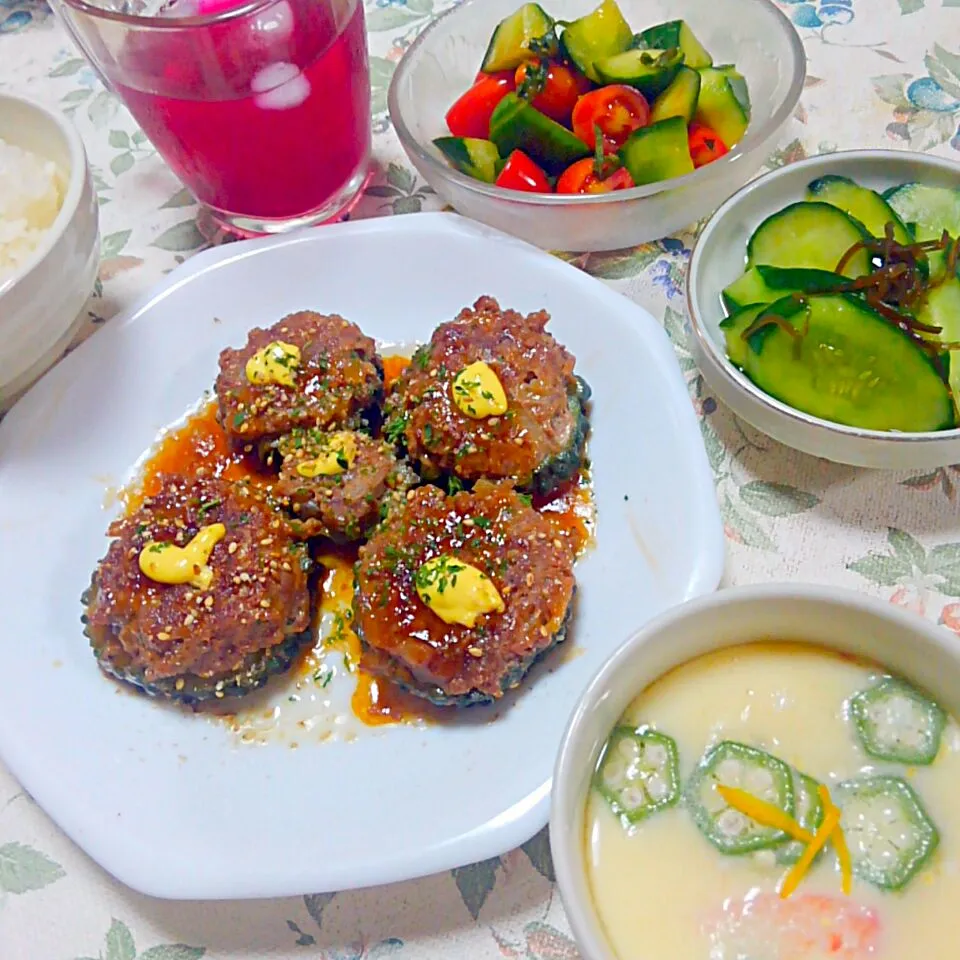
point(261, 108)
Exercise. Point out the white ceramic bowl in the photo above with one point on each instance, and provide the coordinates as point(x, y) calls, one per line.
point(40, 306)
point(718, 259)
point(444, 60)
point(839, 619)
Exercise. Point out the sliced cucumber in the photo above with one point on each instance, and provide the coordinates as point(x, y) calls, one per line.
point(765, 284)
point(942, 309)
point(658, 152)
point(719, 108)
point(738, 84)
point(675, 33)
point(927, 210)
point(842, 362)
point(734, 327)
point(808, 812)
point(516, 125)
point(638, 773)
point(649, 71)
point(759, 774)
point(679, 99)
point(809, 234)
point(600, 34)
point(475, 158)
point(864, 205)
point(890, 835)
point(897, 723)
point(524, 35)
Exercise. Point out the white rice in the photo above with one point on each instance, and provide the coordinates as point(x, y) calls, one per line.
point(31, 194)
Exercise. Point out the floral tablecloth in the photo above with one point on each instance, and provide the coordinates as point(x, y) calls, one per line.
point(881, 73)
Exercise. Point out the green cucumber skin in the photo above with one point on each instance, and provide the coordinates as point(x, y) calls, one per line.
point(496, 59)
point(679, 99)
point(476, 158)
point(733, 328)
point(780, 240)
point(862, 204)
point(516, 125)
point(649, 79)
point(889, 687)
point(765, 284)
point(602, 33)
point(764, 839)
point(939, 208)
point(719, 107)
point(675, 33)
point(842, 321)
point(658, 152)
point(903, 794)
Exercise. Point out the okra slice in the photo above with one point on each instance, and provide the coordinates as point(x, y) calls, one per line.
point(807, 811)
point(889, 833)
point(760, 774)
point(898, 723)
point(638, 773)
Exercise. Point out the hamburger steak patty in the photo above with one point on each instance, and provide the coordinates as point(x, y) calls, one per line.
point(345, 506)
point(538, 443)
point(337, 382)
point(190, 643)
point(495, 530)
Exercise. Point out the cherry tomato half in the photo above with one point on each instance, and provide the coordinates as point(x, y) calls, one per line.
point(553, 87)
point(521, 173)
point(581, 177)
point(705, 145)
point(470, 115)
point(617, 110)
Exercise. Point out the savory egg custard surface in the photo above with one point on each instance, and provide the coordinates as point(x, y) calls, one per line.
point(778, 802)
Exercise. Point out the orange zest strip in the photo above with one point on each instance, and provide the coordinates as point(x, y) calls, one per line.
point(839, 841)
point(792, 880)
point(764, 813)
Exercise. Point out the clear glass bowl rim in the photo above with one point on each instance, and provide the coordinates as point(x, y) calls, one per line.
point(168, 23)
point(755, 137)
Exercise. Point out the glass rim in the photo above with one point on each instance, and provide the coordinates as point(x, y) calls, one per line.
point(170, 23)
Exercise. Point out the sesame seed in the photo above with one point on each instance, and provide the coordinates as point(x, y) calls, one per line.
point(189, 619)
point(266, 541)
point(544, 632)
point(529, 579)
point(557, 543)
point(208, 603)
point(234, 546)
point(475, 651)
point(180, 683)
point(163, 635)
point(265, 604)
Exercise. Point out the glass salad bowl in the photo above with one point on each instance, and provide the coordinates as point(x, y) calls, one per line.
point(443, 63)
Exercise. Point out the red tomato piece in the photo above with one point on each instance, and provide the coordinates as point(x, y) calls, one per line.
point(705, 145)
point(470, 115)
point(552, 88)
point(581, 177)
point(618, 111)
point(521, 173)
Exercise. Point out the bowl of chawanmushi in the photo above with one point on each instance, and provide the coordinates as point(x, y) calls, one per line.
point(768, 772)
point(825, 305)
point(583, 127)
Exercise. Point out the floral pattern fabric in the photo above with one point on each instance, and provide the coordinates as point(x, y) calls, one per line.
point(881, 73)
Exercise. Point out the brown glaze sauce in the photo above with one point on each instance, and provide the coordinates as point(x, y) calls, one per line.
point(200, 445)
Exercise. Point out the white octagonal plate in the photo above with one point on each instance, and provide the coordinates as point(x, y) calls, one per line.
point(175, 804)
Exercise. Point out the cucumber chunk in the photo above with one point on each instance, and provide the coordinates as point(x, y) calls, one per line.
point(897, 723)
point(848, 365)
point(809, 234)
point(927, 210)
point(516, 125)
point(864, 205)
point(890, 835)
point(738, 84)
point(675, 33)
point(600, 34)
point(942, 309)
point(649, 71)
point(658, 152)
point(737, 765)
point(523, 35)
point(475, 158)
point(735, 326)
point(679, 99)
point(638, 773)
point(719, 108)
point(808, 812)
point(764, 284)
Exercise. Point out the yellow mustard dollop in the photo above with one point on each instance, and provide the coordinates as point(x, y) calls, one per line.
point(478, 392)
point(339, 452)
point(277, 362)
point(456, 591)
point(168, 563)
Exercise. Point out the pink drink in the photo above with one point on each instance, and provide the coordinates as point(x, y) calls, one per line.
point(264, 115)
